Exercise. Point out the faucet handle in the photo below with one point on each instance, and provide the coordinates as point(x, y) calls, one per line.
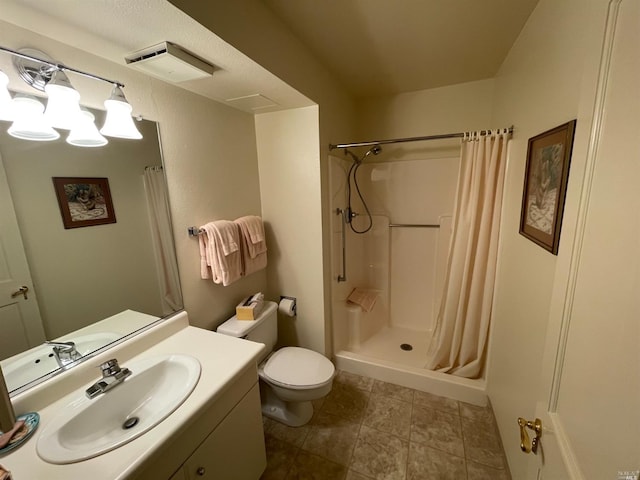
point(110, 367)
point(63, 346)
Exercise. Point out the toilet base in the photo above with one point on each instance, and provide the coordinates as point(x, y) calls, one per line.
point(293, 414)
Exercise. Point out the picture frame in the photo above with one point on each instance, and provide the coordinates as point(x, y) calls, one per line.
point(84, 201)
point(545, 185)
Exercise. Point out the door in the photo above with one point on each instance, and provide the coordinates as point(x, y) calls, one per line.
point(590, 414)
point(20, 321)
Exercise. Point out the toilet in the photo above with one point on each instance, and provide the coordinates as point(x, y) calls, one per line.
point(291, 377)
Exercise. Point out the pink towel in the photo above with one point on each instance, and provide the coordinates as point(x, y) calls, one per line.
point(254, 245)
point(363, 297)
point(220, 255)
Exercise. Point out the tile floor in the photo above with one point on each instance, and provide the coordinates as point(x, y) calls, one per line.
point(366, 429)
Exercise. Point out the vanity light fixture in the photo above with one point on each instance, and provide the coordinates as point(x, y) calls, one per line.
point(119, 122)
point(84, 133)
point(29, 122)
point(63, 104)
point(5, 98)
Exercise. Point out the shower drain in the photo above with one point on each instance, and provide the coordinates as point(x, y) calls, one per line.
point(406, 347)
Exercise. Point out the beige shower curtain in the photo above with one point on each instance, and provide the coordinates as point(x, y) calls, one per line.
point(460, 337)
point(162, 237)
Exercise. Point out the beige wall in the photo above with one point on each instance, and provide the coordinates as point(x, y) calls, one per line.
point(209, 153)
point(289, 162)
point(455, 108)
point(250, 27)
point(547, 79)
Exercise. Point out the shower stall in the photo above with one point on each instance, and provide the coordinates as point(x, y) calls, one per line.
point(391, 228)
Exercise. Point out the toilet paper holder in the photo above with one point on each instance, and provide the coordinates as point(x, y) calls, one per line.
point(294, 300)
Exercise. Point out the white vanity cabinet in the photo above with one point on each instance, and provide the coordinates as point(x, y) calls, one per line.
point(226, 442)
point(235, 449)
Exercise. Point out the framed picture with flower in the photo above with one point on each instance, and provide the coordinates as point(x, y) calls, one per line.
point(84, 202)
point(545, 185)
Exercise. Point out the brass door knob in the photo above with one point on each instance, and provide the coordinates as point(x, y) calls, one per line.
point(527, 445)
point(21, 291)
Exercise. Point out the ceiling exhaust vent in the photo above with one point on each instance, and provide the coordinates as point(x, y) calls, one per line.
point(170, 62)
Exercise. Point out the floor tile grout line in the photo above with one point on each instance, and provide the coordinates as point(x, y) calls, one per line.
point(406, 468)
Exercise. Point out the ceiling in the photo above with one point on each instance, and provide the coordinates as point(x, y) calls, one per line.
point(374, 47)
point(129, 26)
point(383, 47)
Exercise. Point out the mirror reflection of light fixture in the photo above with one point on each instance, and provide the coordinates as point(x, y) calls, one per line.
point(5, 98)
point(63, 104)
point(84, 133)
point(119, 122)
point(28, 120)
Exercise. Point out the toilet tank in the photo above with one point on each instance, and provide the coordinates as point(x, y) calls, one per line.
point(263, 329)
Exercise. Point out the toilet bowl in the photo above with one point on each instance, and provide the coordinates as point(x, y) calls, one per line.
point(291, 377)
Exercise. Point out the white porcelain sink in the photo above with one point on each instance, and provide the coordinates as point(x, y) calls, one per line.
point(86, 428)
point(39, 361)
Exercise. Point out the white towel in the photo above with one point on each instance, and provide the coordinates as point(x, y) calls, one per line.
point(254, 245)
point(220, 255)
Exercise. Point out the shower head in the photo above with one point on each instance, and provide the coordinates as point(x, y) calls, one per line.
point(376, 150)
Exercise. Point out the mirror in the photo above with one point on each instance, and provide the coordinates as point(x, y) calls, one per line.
point(96, 283)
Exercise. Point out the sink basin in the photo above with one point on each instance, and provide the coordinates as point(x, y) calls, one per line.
point(86, 428)
point(39, 361)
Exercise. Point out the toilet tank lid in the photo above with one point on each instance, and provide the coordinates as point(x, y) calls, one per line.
point(240, 328)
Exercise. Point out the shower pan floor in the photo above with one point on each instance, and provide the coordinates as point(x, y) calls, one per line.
point(387, 345)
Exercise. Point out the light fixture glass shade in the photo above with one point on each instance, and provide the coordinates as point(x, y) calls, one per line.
point(63, 105)
point(85, 133)
point(119, 122)
point(29, 122)
point(5, 98)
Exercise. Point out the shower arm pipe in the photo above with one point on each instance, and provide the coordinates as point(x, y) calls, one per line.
point(59, 66)
point(409, 139)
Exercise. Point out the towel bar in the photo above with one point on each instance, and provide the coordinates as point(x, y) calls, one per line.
point(194, 231)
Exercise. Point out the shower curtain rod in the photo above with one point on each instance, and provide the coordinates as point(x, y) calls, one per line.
point(409, 139)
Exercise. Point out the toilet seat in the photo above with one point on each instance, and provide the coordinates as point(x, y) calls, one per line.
point(298, 368)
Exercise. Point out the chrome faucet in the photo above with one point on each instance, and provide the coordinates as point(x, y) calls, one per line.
point(65, 352)
point(112, 375)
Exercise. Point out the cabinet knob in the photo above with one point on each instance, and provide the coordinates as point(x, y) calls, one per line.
point(201, 471)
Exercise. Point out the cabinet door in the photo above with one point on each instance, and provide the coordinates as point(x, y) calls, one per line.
point(235, 449)
point(179, 475)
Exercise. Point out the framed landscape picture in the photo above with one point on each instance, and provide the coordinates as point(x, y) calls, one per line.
point(84, 202)
point(545, 185)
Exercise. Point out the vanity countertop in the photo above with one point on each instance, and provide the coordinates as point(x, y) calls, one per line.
point(222, 359)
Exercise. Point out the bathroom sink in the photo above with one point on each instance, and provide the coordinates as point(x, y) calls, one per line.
point(86, 428)
point(39, 361)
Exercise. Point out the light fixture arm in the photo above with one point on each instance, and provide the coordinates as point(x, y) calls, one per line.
point(59, 66)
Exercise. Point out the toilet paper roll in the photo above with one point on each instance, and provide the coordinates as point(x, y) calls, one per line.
point(287, 306)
